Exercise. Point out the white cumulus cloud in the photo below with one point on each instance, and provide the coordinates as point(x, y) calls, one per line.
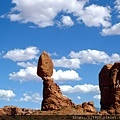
point(22, 54)
point(6, 95)
point(113, 30)
point(67, 21)
point(117, 5)
point(24, 75)
point(68, 63)
point(65, 75)
point(31, 98)
point(26, 64)
point(97, 97)
point(78, 97)
point(94, 56)
point(95, 15)
point(85, 88)
point(29, 73)
point(45, 12)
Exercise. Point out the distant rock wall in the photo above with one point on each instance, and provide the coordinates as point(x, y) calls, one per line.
point(109, 83)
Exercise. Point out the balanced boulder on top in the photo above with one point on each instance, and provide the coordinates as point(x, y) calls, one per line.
point(45, 66)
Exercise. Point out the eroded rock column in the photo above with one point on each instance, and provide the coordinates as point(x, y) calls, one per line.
point(52, 96)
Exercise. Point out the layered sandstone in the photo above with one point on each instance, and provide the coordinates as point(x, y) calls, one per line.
point(109, 79)
point(52, 96)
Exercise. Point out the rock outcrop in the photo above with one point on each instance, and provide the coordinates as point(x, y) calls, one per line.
point(89, 107)
point(109, 79)
point(52, 95)
point(53, 98)
point(14, 110)
point(45, 66)
point(16, 113)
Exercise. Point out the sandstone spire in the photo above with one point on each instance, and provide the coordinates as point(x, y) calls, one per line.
point(52, 96)
point(109, 79)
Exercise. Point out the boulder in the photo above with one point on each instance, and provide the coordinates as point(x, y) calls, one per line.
point(89, 107)
point(45, 66)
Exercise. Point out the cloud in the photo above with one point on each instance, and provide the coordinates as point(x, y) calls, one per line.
point(97, 97)
point(67, 21)
point(65, 75)
point(29, 73)
point(95, 15)
point(78, 97)
point(113, 30)
point(68, 63)
point(26, 64)
point(117, 5)
point(45, 13)
point(42, 13)
point(22, 55)
point(94, 56)
point(31, 98)
point(85, 88)
point(1, 53)
point(6, 95)
point(24, 75)
point(53, 54)
point(74, 60)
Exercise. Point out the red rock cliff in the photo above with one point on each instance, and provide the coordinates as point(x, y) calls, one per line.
point(109, 79)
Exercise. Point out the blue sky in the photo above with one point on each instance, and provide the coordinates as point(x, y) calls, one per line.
point(80, 36)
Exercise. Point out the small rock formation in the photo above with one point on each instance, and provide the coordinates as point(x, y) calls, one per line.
point(14, 110)
point(45, 66)
point(52, 96)
point(109, 79)
point(89, 106)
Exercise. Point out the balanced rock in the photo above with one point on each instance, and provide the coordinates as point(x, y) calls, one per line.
point(45, 66)
point(109, 79)
point(53, 98)
point(52, 95)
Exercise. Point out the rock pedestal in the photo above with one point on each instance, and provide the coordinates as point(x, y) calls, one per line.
point(52, 95)
point(109, 79)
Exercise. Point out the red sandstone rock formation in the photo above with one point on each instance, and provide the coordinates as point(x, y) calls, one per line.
point(89, 106)
point(14, 110)
point(45, 66)
point(52, 95)
point(109, 79)
point(53, 98)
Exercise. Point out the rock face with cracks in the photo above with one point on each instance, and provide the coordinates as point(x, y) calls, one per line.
point(109, 83)
point(52, 95)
